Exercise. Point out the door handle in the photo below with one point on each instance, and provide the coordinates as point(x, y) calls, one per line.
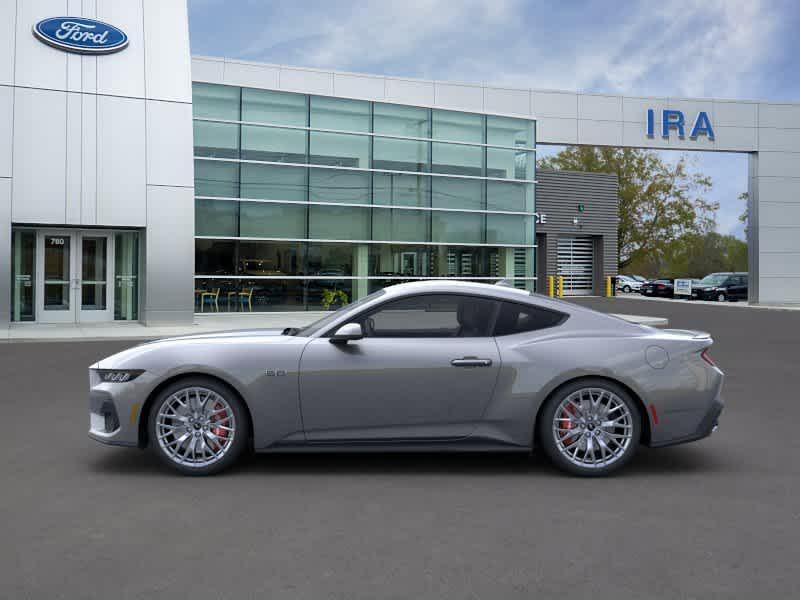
point(471, 361)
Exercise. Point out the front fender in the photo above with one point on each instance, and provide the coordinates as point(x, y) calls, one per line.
point(263, 371)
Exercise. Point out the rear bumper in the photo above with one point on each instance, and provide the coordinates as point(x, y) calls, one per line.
point(708, 424)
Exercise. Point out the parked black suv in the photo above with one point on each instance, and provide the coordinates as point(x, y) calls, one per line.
point(721, 287)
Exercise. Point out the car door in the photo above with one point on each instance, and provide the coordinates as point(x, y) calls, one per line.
point(740, 287)
point(425, 370)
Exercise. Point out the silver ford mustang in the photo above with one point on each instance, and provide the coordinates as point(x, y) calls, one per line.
point(436, 365)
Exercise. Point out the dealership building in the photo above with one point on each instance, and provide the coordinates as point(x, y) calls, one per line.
point(140, 183)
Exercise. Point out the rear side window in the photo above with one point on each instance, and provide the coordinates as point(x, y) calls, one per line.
point(518, 318)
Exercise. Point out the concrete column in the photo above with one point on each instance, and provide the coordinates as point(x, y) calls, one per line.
point(360, 270)
point(774, 227)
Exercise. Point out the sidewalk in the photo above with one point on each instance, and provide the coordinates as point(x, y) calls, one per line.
point(204, 323)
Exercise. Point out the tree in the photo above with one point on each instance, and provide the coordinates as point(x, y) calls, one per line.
point(745, 216)
point(658, 202)
point(693, 255)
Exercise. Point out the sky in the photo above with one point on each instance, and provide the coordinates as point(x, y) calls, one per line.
point(709, 48)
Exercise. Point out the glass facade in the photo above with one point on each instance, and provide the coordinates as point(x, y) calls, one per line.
point(305, 202)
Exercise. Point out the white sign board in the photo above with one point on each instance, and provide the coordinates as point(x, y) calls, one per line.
point(683, 287)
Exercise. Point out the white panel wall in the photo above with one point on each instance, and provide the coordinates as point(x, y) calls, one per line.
point(409, 91)
point(169, 125)
point(463, 97)
point(169, 284)
point(39, 156)
point(308, 81)
point(209, 69)
point(36, 64)
point(74, 162)
point(76, 131)
point(89, 159)
point(248, 75)
point(8, 19)
point(121, 162)
point(121, 73)
point(167, 60)
point(358, 86)
point(6, 129)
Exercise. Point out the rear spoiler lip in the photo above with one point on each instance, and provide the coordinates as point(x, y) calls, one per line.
point(695, 335)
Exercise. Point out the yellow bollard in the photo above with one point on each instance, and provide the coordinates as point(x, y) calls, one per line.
point(551, 284)
point(560, 286)
point(609, 288)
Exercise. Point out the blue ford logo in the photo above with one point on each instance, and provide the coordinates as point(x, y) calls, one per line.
point(84, 36)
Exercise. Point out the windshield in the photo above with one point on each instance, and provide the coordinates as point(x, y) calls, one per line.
point(330, 318)
point(713, 279)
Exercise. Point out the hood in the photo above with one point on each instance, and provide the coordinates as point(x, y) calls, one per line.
point(221, 335)
point(131, 357)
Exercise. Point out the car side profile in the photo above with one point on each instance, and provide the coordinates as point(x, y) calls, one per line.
point(434, 366)
point(660, 288)
point(721, 287)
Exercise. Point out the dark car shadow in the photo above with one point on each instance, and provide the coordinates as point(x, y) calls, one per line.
point(647, 462)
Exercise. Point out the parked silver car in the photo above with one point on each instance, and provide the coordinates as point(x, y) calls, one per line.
point(435, 365)
point(628, 284)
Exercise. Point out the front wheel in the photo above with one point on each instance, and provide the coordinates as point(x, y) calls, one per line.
point(627, 289)
point(198, 426)
point(590, 428)
point(721, 297)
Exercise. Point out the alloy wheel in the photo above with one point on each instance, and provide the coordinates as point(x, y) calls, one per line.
point(592, 428)
point(195, 427)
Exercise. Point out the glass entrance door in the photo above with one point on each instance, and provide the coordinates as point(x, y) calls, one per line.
point(55, 281)
point(73, 281)
point(95, 303)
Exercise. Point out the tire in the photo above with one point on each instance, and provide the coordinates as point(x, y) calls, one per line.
point(614, 445)
point(627, 289)
point(181, 413)
point(721, 297)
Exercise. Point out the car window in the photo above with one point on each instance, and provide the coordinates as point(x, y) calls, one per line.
point(713, 279)
point(518, 318)
point(314, 327)
point(431, 316)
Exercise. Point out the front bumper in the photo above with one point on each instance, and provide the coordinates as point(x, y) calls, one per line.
point(115, 410)
point(704, 294)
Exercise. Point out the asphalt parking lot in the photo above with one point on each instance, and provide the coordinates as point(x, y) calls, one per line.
point(715, 519)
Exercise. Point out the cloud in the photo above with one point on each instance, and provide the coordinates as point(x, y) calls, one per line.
point(674, 47)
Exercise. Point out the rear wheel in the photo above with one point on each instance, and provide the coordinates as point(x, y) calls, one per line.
point(721, 297)
point(591, 427)
point(198, 426)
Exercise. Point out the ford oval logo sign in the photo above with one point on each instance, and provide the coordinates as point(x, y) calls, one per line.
point(84, 36)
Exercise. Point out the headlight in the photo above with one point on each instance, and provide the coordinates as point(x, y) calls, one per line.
point(118, 375)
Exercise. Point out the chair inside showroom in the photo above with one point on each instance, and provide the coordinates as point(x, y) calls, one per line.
point(211, 298)
point(246, 299)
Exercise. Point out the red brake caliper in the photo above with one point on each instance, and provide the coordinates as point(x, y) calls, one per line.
point(566, 423)
point(219, 418)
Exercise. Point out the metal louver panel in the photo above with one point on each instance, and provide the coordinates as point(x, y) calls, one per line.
point(575, 264)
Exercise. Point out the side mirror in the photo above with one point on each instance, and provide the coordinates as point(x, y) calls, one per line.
point(346, 333)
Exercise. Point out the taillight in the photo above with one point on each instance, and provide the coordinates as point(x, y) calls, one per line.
point(707, 357)
point(659, 286)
